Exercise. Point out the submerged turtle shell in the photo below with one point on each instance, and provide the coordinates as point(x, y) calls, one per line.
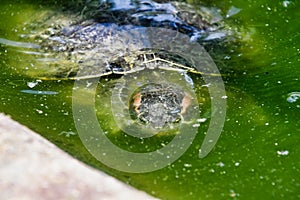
point(98, 43)
point(101, 47)
point(111, 49)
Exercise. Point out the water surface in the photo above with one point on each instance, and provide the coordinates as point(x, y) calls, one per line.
point(257, 154)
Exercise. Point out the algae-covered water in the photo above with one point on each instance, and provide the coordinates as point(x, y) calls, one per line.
point(257, 154)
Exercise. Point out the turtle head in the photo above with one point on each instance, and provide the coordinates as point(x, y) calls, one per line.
point(158, 106)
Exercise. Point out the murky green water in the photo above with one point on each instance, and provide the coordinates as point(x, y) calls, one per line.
point(257, 155)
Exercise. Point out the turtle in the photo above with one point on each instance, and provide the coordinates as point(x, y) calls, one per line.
point(76, 43)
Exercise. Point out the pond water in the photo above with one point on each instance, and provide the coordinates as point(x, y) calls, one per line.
point(257, 154)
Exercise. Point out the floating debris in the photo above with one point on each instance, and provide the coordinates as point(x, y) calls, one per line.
point(201, 120)
point(293, 97)
point(196, 125)
point(67, 133)
point(283, 153)
point(206, 85)
point(233, 194)
point(187, 165)
point(33, 84)
point(220, 164)
point(286, 3)
point(232, 11)
point(39, 111)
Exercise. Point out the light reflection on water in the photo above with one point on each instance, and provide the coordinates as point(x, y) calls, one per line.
point(39, 92)
point(18, 44)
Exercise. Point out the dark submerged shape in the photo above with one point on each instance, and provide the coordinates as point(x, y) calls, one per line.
point(91, 44)
point(80, 41)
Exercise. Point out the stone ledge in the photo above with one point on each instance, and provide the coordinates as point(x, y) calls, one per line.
point(33, 168)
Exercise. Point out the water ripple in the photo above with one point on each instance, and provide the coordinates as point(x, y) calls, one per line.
point(18, 44)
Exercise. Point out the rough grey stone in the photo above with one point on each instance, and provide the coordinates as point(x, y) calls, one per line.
point(33, 168)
